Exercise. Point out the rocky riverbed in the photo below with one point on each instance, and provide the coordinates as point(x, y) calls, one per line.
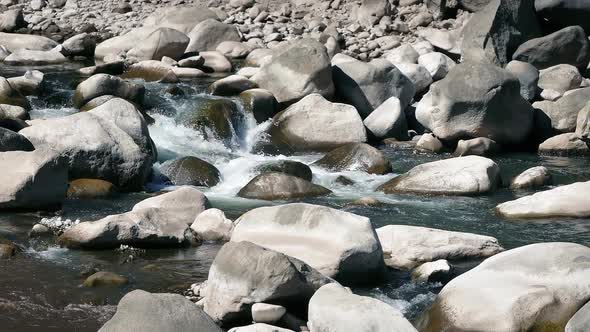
point(242, 165)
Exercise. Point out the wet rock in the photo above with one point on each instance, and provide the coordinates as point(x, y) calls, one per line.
point(366, 86)
point(281, 186)
point(343, 180)
point(289, 167)
point(534, 177)
point(244, 273)
point(40, 230)
point(158, 44)
point(580, 322)
point(207, 35)
point(32, 180)
point(366, 202)
point(568, 144)
point(429, 143)
point(527, 75)
point(212, 225)
point(153, 312)
point(15, 42)
point(471, 175)
point(564, 201)
point(560, 78)
point(161, 221)
point(439, 270)
point(12, 141)
point(355, 157)
point(261, 103)
point(231, 86)
point(519, 289)
point(334, 308)
point(563, 113)
point(388, 120)
point(29, 84)
point(480, 146)
point(566, 46)
point(196, 61)
point(181, 18)
point(190, 171)
point(11, 96)
point(219, 116)
point(315, 124)
point(105, 278)
point(406, 247)
point(104, 84)
point(476, 100)
point(82, 44)
point(34, 58)
point(90, 188)
point(110, 142)
point(350, 251)
point(289, 80)
point(267, 313)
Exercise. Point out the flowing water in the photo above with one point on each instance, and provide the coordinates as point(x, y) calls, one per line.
point(40, 288)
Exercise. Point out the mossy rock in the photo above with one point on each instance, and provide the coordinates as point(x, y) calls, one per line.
point(219, 116)
point(104, 278)
point(191, 171)
point(7, 249)
point(261, 103)
point(90, 188)
point(289, 167)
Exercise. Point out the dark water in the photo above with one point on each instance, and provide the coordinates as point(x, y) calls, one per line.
point(40, 288)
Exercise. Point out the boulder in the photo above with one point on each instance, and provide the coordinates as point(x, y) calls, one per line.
point(493, 34)
point(568, 144)
point(29, 84)
point(476, 100)
point(216, 117)
point(355, 157)
point(560, 78)
point(437, 64)
point(566, 46)
point(532, 288)
point(215, 62)
point(34, 58)
point(558, 14)
point(208, 34)
point(110, 142)
point(563, 113)
point(532, 178)
point(366, 86)
point(439, 270)
point(11, 112)
point(371, 11)
point(104, 84)
point(580, 322)
point(120, 45)
point(259, 327)
point(406, 247)
point(112, 68)
point(233, 49)
point(190, 171)
point(90, 188)
point(105, 278)
point(244, 273)
point(32, 180)
point(336, 243)
point(12, 141)
point(15, 42)
point(480, 146)
point(289, 79)
point(160, 43)
point(11, 96)
point(181, 18)
point(418, 75)
point(471, 175)
point(289, 167)
point(403, 54)
point(334, 308)
point(12, 20)
point(281, 186)
point(527, 75)
point(212, 225)
point(267, 313)
point(161, 221)
point(259, 57)
point(152, 312)
point(152, 70)
point(82, 44)
point(231, 86)
point(315, 124)
point(429, 143)
point(563, 201)
point(261, 103)
point(388, 120)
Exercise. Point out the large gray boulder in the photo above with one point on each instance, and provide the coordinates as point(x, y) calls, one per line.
point(477, 100)
point(181, 18)
point(480, 146)
point(207, 35)
point(17, 41)
point(12, 141)
point(110, 142)
point(29, 84)
point(289, 79)
point(532, 288)
point(366, 86)
point(244, 273)
point(34, 58)
point(580, 322)
point(11, 20)
point(493, 34)
point(558, 14)
point(564, 201)
point(334, 308)
point(563, 113)
point(388, 120)
point(336, 243)
point(120, 45)
point(281, 186)
point(406, 247)
point(534, 177)
point(105, 84)
point(32, 180)
point(355, 157)
point(527, 75)
point(160, 43)
point(566, 46)
point(151, 312)
point(161, 221)
point(82, 44)
point(471, 175)
point(314, 123)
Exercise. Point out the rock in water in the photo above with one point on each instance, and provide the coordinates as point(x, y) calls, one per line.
point(11, 96)
point(244, 273)
point(90, 188)
point(190, 171)
point(152, 312)
point(281, 186)
point(571, 200)
point(480, 146)
point(104, 84)
point(160, 43)
point(122, 44)
point(336, 243)
point(334, 308)
point(493, 34)
point(207, 35)
point(289, 167)
point(105, 278)
point(32, 180)
point(289, 79)
point(477, 100)
point(532, 288)
point(34, 58)
point(315, 124)
point(580, 322)
point(568, 144)
point(532, 178)
point(471, 175)
point(161, 221)
point(406, 247)
point(11, 141)
point(356, 157)
point(388, 120)
point(212, 225)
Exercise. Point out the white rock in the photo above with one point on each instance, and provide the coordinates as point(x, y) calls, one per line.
point(212, 225)
point(388, 120)
point(267, 313)
point(532, 178)
point(437, 64)
point(439, 269)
